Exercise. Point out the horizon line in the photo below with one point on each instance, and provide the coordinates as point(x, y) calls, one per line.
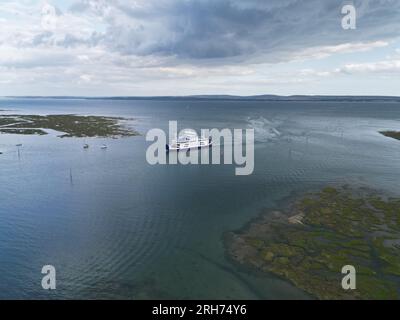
point(221, 96)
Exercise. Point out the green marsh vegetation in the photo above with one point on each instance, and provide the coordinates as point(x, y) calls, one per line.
point(391, 134)
point(326, 231)
point(68, 124)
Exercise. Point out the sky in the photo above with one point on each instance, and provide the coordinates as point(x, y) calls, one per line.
point(188, 47)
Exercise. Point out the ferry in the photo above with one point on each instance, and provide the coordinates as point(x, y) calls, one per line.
point(189, 140)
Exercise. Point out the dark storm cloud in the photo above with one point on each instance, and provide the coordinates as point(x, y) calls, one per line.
point(215, 29)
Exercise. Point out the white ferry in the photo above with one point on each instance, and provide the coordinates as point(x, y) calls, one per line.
point(189, 140)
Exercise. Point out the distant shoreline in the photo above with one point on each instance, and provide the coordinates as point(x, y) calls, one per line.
point(273, 98)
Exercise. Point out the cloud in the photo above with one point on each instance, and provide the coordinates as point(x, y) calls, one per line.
point(388, 67)
point(133, 46)
point(86, 78)
point(273, 30)
point(326, 51)
point(206, 31)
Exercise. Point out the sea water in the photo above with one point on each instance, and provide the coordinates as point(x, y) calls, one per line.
point(116, 227)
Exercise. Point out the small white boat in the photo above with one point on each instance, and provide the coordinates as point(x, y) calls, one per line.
point(19, 145)
point(86, 146)
point(189, 140)
point(103, 147)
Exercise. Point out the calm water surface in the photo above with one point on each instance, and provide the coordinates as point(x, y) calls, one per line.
point(121, 228)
